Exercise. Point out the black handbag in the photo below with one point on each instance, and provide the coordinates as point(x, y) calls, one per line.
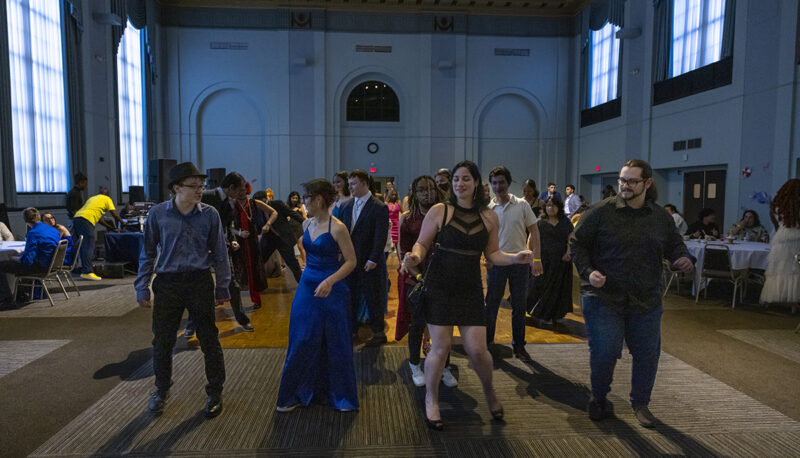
point(416, 295)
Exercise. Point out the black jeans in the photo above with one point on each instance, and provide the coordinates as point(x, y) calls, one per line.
point(236, 305)
point(268, 245)
point(172, 293)
point(16, 268)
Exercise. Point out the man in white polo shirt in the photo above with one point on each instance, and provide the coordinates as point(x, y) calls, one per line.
point(518, 231)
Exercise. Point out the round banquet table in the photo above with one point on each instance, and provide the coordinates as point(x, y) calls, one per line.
point(744, 255)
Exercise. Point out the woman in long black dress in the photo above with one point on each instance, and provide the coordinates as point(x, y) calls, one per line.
point(463, 228)
point(551, 297)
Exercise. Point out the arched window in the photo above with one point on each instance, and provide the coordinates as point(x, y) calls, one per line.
point(373, 101)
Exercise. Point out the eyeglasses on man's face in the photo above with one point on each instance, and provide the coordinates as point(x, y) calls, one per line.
point(194, 187)
point(629, 181)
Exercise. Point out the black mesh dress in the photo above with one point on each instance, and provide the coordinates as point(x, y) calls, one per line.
point(453, 279)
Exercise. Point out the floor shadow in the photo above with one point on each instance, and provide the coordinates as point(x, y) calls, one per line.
point(126, 369)
point(316, 427)
point(371, 367)
point(545, 382)
point(129, 369)
point(119, 444)
point(167, 440)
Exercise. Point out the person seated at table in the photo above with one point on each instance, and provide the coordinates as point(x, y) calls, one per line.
point(5, 233)
point(83, 224)
point(63, 232)
point(749, 228)
point(680, 223)
point(705, 226)
point(40, 245)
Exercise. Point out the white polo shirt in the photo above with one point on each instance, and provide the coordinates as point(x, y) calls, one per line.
point(515, 217)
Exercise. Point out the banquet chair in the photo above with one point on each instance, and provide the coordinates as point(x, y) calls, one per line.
point(66, 269)
point(671, 275)
point(717, 265)
point(49, 275)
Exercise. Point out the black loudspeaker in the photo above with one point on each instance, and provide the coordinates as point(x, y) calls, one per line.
point(136, 194)
point(214, 178)
point(158, 178)
point(4, 216)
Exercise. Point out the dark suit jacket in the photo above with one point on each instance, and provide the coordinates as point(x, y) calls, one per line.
point(212, 197)
point(281, 228)
point(370, 232)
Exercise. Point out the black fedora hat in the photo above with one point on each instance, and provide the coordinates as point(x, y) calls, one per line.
point(183, 170)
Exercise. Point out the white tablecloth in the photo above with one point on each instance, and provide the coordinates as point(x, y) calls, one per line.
point(744, 255)
point(7, 251)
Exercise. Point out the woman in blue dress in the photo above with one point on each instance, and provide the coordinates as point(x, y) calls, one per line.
point(319, 362)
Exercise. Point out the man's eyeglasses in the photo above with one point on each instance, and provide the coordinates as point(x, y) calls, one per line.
point(629, 181)
point(194, 187)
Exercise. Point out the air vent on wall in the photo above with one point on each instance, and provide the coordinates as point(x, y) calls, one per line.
point(372, 48)
point(232, 45)
point(517, 52)
point(679, 145)
point(695, 143)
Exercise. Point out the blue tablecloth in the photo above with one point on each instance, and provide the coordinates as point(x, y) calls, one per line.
point(124, 246)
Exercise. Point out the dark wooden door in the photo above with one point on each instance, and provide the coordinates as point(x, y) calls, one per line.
point(705, 189)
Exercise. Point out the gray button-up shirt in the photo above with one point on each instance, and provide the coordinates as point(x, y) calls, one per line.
point(183, 243)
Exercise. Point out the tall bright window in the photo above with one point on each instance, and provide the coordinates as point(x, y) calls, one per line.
point(38, 103)
point(696, 34)
point(604, 65)
point(131, 108)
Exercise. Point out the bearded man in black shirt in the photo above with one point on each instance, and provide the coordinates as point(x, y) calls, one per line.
point(618, 250)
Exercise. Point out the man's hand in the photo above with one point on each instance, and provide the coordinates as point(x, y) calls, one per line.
point(537, 268)
point(597, 279)
point(683, 264)
point(244, 234)
point(145, 303)
point(369, 266)
point(523, 257)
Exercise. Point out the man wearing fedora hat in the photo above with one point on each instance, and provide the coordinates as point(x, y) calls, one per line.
point(187, 238)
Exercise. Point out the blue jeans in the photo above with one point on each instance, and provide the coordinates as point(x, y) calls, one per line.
point(82, 226)
point(518, 276)
point(607, 327)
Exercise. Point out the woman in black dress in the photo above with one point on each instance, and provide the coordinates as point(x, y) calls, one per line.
point(551, 296)
point(462, 228)
point(296, 206)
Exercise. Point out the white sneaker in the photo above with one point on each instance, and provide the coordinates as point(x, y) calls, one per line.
point(448, 379)
point(417, 375)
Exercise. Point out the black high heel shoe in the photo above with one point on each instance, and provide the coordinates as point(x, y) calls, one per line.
point(436, 425)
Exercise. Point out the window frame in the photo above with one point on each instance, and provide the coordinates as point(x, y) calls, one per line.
point(703, 31)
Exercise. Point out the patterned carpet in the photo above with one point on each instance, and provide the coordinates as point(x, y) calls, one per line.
point(17, 353)
point(782, 342)
point(105, 298)
point(544, 403)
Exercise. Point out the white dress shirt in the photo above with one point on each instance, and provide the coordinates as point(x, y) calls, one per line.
point(358, 205)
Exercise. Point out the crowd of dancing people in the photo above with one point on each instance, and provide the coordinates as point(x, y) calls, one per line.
point(444, 232)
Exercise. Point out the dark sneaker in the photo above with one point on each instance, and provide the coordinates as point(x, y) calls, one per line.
point(157, 401)
point(645, 417)
point(599, 409)
point(247, 327)
point(522, 354)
